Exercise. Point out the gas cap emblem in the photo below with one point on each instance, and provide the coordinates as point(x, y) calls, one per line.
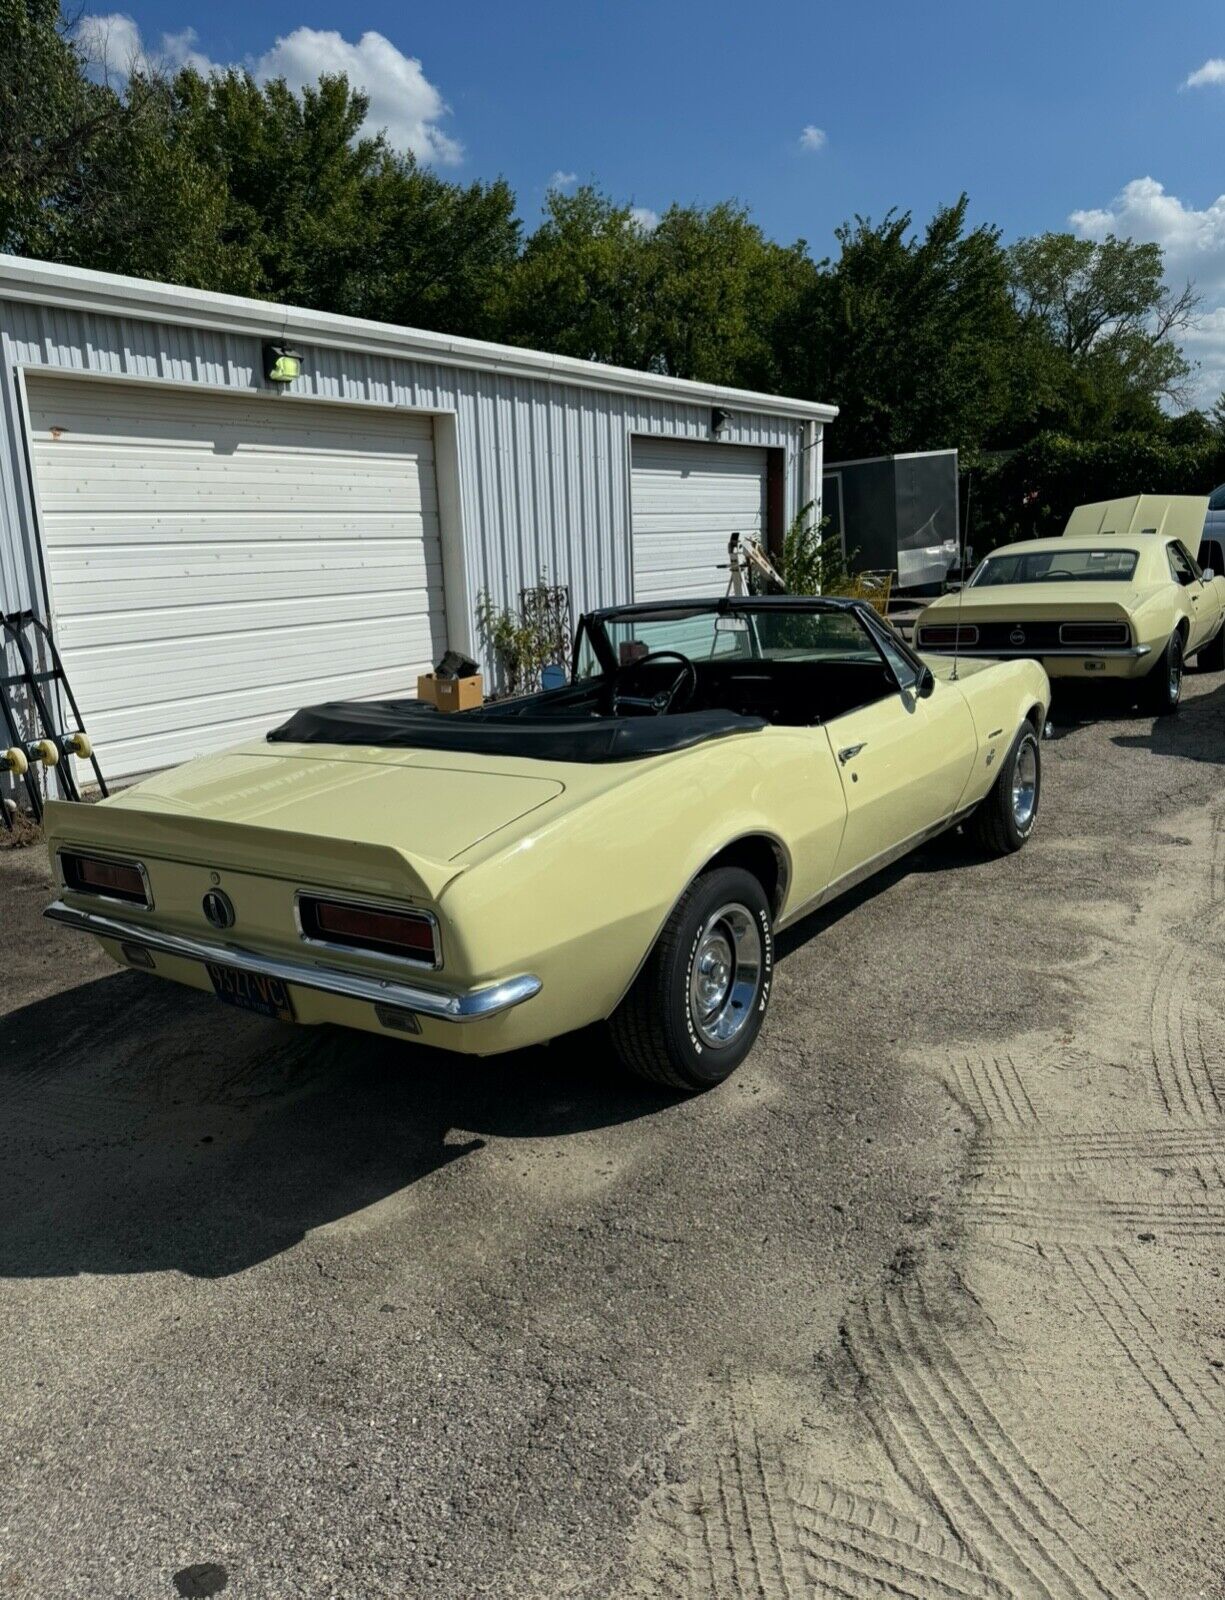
point(219, 908)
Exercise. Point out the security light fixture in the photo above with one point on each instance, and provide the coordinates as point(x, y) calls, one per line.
point(719, 420)
point(282, 363)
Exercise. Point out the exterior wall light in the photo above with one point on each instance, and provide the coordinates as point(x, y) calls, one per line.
point(282, 363)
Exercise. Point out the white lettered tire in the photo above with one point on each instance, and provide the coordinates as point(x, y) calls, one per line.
point(696, 1008)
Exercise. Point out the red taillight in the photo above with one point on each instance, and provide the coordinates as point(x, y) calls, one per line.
point(120, 880)
point(397, 933)
point(934, 634)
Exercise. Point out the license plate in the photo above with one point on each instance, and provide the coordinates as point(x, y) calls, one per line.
point(251, 991)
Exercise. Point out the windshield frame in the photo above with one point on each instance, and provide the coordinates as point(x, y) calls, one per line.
point(591, 624)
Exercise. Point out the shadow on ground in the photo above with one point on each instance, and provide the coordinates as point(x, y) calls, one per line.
point(1196, 733)
point(143, 1128)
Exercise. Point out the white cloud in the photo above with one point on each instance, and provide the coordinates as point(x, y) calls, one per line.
point(1212, 71)
point(644, 218)
point(812, 138)
point(402, 99)
point(1193, 244)
point(563, 180)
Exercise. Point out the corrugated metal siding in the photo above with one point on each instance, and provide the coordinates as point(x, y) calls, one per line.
point(544, 467)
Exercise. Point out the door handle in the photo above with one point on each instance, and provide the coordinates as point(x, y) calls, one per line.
point(848, 753)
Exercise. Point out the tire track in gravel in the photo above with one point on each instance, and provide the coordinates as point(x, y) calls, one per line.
point(943, 1436)
point(1108, 1285)
point(1181, 1072)
point(754, 1528)
point(1073, 1153)
point(992, 1090)
point(1088, 1219)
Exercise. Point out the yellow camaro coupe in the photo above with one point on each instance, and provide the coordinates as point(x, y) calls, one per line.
point(623, 848)
point(1117, 595)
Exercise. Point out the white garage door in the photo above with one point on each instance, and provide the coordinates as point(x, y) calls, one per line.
point(216, 561)
point(687, 500)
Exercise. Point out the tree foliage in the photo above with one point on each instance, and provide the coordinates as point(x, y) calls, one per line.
point(924, 336)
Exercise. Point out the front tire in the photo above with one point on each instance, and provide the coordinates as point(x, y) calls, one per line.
point(1006, 818)
point(1162, 689)
point(696, 1008)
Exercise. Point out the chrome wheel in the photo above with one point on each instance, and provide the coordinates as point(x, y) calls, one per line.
point(1025, 785)
point(1175, 683)
point(725, 978)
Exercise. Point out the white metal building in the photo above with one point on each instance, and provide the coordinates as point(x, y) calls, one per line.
point(214, 550)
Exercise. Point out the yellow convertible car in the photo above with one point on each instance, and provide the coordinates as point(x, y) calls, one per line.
point(624, 847)
point(1118, 595)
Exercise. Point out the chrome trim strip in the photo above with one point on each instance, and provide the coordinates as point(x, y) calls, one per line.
point(373, 905)
point(97, 894)
point(877, 863)
point(1131, 653)
point(447, 1005)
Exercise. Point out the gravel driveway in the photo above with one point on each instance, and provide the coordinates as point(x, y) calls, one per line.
point(926, 1302)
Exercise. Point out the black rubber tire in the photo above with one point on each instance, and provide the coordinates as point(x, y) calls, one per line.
point(1212, 657)
point(993, 827)
point(651, 1029)
point(1155, 695)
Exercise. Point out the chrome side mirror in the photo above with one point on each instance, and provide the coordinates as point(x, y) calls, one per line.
point(925, 683)
point(1208, 574)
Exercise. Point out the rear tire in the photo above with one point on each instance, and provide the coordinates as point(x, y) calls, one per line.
point(1162, 690)
point(696, 1008)
point(1005, 819)
point(1212, 657)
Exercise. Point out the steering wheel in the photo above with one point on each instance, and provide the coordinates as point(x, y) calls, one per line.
point(1056, 572)
point(667, 700)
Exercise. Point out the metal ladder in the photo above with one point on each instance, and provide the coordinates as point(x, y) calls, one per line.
point(29, 637)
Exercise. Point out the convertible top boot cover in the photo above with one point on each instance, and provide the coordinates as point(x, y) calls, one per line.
point(492, 731)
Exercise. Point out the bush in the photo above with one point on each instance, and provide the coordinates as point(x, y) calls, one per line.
point(1032, 492)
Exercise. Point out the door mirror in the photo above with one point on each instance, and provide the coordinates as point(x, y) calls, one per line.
point(925, 683)
point(1208, 574)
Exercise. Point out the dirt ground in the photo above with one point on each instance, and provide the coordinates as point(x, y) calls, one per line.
point(926, 1303)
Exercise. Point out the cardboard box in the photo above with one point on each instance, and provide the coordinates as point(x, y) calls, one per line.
point(459, 694)
point(426, 688)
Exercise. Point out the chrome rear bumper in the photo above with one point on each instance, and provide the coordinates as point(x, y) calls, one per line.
point(1116, 652)
point(447, 1005)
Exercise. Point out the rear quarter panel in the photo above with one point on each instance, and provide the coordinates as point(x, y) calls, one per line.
point(580, 899)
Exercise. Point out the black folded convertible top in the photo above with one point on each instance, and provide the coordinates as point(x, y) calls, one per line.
point(492, 731)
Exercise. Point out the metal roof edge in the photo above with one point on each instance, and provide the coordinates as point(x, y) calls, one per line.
point(900, 455)
point(108, 293)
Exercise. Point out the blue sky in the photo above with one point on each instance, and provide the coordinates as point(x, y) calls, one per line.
point(1049, 116)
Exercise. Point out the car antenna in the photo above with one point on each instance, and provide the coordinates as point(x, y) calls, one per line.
point(961, 587)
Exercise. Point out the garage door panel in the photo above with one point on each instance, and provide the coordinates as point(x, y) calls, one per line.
point(256, 617)
point(216, 561)
point(687, 500)
point(221, 597)
point(163, 668)
point(132, 748)
point(88, 530)
point(88, 412)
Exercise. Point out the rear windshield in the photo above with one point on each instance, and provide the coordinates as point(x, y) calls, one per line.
point(1056, 566)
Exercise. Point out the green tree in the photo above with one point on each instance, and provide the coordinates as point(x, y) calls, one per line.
point(909, 335)
point(442, 254)
point(1098, 350)
point(581, 285)
point(720, 292)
